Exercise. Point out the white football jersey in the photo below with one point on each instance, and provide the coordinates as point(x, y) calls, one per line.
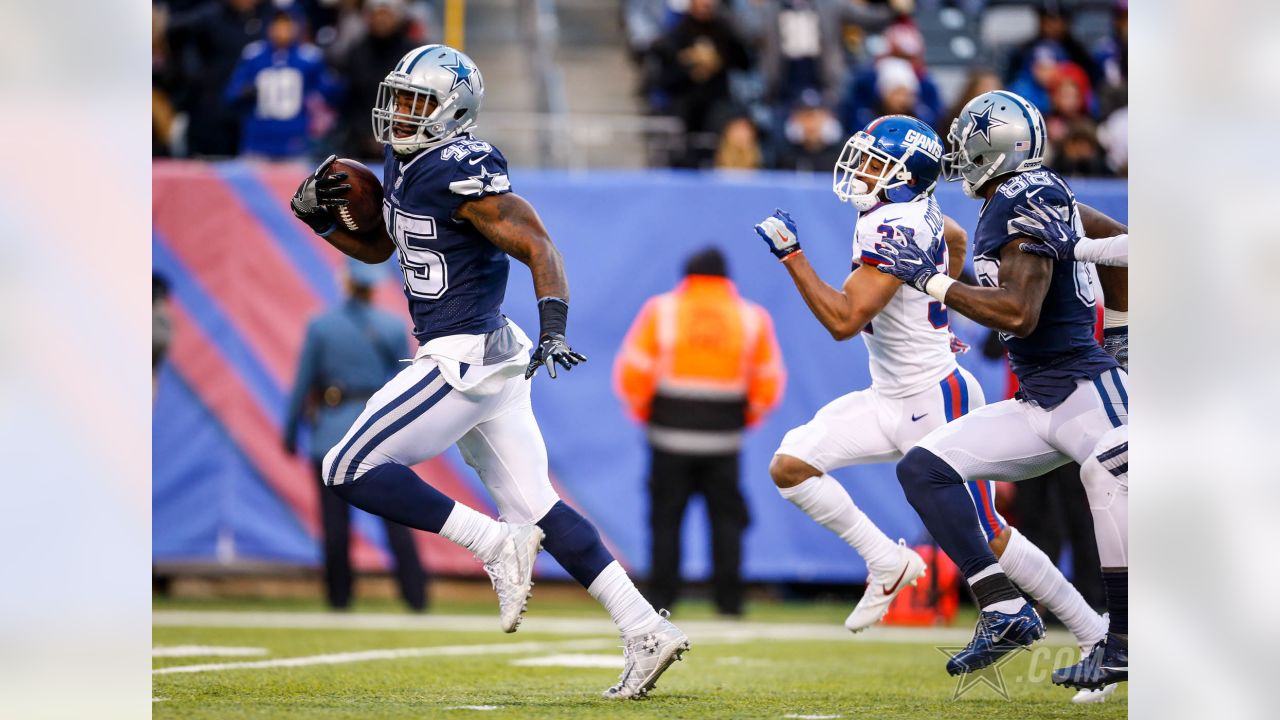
point(909, 342)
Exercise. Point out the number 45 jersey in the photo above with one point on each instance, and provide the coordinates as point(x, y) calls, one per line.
point(454, 278)
point(909, 342)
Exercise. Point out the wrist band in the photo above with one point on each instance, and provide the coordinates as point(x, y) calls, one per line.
point(1114, 318)
point(937, 287)
point(553, 316)
point(790, 255)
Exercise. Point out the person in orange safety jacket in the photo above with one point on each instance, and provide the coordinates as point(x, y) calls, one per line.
point(699, 365)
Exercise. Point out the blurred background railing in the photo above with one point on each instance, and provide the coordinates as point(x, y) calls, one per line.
point(664, 83)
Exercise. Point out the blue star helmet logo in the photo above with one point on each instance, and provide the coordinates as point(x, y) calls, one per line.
point(461, 74)
point(983, 122)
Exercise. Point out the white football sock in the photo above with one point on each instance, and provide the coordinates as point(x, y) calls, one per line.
point(474, 531)
point(630, 611)
point(1008, 607)
point(1031, 570)
point(828, 503)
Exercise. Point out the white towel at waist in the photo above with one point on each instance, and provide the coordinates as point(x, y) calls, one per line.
point(451, 351)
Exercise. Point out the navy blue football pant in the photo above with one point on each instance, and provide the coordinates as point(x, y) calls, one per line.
point(416, 416)
point(1015, 440)
point(335, 516)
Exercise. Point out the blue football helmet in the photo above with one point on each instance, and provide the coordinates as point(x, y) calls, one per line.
point(911, 156)
point(431, 96)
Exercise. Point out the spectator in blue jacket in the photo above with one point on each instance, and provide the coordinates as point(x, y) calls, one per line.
point(1029, 71)
point(204, 41)
point(365, 64)
point(883, 86)
point(273, 87)
point(349, 352)
point(890, 87)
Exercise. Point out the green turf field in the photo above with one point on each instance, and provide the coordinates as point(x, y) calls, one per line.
point(785, 660)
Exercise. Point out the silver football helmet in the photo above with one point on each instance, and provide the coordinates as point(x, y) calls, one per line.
point(997, 132)
point(431, 96)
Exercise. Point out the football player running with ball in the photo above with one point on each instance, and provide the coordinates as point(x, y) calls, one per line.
point(1073, 401)
point(449, 210)
point(888, 171)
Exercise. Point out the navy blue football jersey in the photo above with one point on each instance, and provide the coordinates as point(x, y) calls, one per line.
point(1063, 349)
point(454, 278)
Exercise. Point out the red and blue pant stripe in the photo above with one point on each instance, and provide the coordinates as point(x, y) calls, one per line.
point(955, 402)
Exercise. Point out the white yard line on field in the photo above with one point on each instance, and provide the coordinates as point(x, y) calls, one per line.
point(205, 651)
point(719, 631)
point(574, 660)
point(391, 654)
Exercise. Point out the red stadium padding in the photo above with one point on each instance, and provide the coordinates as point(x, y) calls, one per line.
point(282, 180)
point(268, 303)
point(201, 365)
point(256, 277)
point(237, 261)
point(934, 599)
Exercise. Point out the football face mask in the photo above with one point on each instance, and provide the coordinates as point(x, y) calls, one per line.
point(894, 159)
point(863, 171)
point(432, 96)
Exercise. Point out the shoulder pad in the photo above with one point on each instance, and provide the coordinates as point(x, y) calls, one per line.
point(465, 148)
point(1027, 183)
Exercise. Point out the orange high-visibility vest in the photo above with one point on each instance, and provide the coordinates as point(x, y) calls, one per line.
point(698, 365)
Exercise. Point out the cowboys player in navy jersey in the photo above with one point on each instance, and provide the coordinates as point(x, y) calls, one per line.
point(450, 213)
point(1073, 399)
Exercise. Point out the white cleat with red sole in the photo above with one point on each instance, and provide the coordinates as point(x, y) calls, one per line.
point(883, 588)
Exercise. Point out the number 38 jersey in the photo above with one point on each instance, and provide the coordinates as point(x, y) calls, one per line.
point(454, 278)
point(1062, 349)
point(909, 342)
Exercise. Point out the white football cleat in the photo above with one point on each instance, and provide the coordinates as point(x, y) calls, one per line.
point(511, 572)
point(882, 589)
point(645, 657)
point(1095, 696)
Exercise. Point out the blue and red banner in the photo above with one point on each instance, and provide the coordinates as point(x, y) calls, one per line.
point(246, 276)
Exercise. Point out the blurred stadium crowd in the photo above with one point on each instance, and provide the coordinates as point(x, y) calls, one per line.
point(754, 83)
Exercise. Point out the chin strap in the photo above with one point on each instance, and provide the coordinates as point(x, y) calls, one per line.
point(971, 188)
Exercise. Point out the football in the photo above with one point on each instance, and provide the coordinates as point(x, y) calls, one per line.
point(363, 211)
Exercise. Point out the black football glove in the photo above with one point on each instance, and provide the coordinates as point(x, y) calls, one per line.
point(1116, 342)
point(317, 194)
point(553, 349)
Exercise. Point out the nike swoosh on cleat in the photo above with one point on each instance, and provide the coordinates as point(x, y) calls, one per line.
point(889, 591)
